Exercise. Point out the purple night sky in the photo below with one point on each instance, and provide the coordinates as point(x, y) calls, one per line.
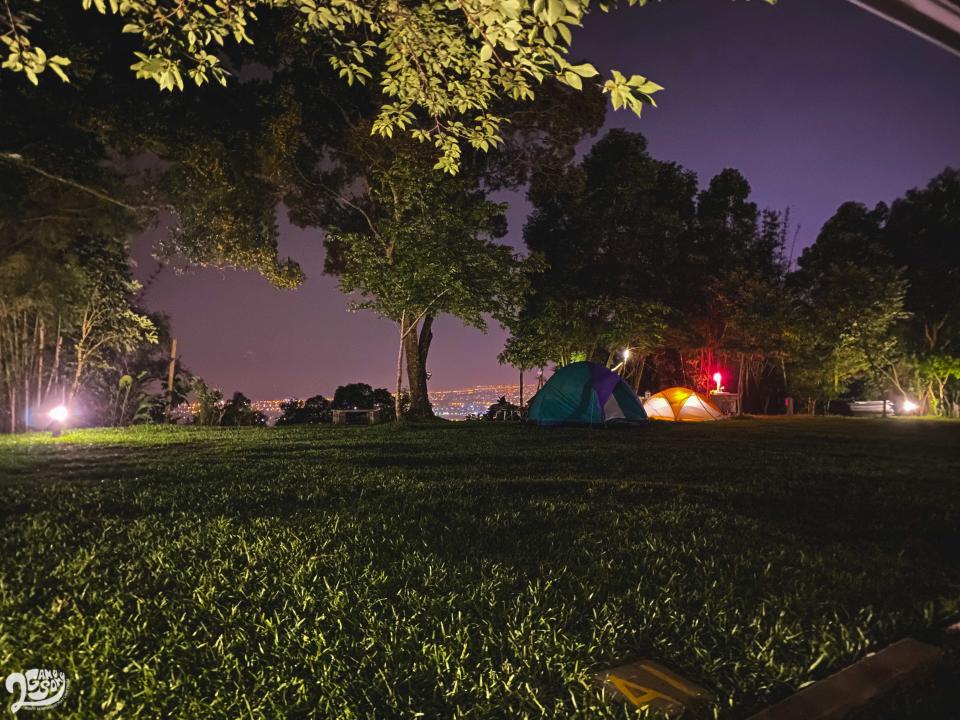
point(815, 101)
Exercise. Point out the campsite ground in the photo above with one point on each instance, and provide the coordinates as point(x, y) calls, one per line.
point(467, 570)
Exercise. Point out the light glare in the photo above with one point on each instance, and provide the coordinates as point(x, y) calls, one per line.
point(58, 414)
point(909, 406)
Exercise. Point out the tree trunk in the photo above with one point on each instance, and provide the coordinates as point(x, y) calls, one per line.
point(397, 407)
point(121, 416)
point(638, 374)
point(40, 348)
point(55, 368)
point(417, 346)
point(75, 385)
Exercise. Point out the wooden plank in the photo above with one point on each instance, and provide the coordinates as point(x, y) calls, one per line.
point(856, 685)
point(937, 21)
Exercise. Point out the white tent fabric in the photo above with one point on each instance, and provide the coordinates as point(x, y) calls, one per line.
point(611, 409)
point(658, 407)
point(681, 404)
point(694, 408)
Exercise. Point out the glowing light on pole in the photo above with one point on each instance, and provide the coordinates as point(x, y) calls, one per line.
point(58, 414)
point(717, 377)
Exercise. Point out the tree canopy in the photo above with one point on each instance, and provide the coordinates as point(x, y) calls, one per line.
point(670, 284)
point(425, 247)
point(639, 261)
point(444, 67)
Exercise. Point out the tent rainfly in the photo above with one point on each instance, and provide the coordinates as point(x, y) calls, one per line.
point(680, 404)
point(585, 393)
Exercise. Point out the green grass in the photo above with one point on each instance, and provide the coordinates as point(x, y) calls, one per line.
point(467, 570)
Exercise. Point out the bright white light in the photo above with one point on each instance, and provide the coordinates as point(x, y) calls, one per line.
point(909, 406)
point(626, 354)
point(58, 414)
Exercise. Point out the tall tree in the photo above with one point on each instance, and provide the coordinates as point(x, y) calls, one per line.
point(612, 231)
point(67, 304)
point(922, 236)
point(850, 298)
point(736, 259)
point(638, 259)
point(425, 247)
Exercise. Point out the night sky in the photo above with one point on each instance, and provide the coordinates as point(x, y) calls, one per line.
point(816, 101)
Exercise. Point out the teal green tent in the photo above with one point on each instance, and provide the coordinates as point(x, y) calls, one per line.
point(585, 393)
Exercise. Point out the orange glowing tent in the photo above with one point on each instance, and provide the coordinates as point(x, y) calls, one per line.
point(680, 404)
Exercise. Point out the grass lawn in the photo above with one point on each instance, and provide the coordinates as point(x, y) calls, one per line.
point(466, 570)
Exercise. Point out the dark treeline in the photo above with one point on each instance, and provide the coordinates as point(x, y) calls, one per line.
point(353, 396)
point(694, 281)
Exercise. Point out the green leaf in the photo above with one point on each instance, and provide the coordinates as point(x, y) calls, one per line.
point(650, 87)
point(58, 71)
point(510, 8)
point(555, 10)
point(585, 70)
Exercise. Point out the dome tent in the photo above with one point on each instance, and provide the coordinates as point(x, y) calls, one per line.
point(585, 393)
point(680, 404)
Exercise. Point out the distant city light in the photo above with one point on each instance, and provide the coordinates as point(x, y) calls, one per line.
point(453, 403)
point(909, 406)
point(58, 414)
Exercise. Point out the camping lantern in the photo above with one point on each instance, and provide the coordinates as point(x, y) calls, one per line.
point(717, 377)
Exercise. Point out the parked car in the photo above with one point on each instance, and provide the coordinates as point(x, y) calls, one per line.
point(870, 407)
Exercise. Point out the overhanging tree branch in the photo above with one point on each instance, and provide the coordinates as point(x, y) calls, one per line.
point(419, 317)
point(17, 159)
